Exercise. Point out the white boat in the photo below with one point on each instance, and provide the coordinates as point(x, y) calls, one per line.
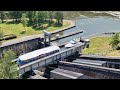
point(70, 44)
point(57, 36)
point(73, 42)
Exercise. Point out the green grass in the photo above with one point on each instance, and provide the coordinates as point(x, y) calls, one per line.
point(100, 46)
point(18, 29)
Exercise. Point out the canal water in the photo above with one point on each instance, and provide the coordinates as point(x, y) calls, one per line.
point(92, 25)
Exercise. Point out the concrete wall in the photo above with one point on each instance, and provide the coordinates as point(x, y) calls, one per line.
point(112, 62)
point(28, 43)
point(22, 46)
point(93, 71)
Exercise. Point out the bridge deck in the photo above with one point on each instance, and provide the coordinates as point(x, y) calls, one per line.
point(51, 59)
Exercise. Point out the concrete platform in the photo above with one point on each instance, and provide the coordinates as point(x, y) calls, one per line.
point(90, 62)
point(66, 74)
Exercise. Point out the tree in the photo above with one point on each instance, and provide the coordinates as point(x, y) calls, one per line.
point(8, 69)
point(42, 16)
point(16, 15)
point(30, 15)
point(59, 17)
point(1, 31)
point(2, 15)
point(115, 41)
point(24, 20)
point(50, 17)
point(34, 16)
point(45, 14)
point(36, 21)
point(12, 15)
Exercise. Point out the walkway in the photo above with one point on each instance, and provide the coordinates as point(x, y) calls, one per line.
point(107, 34)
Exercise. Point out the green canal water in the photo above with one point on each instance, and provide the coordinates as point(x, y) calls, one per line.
point(90, 23)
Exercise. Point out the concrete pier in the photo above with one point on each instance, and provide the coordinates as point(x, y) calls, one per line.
point(90, 70)
point(67, 35)
point(69, 27)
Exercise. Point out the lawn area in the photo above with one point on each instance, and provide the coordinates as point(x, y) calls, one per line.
point(17, 29)
point(100, 45)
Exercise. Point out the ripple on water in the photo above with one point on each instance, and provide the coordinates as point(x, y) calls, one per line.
point(94, 25)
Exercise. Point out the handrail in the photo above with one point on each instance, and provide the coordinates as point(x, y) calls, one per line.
point(37, 61)
point(90, 66)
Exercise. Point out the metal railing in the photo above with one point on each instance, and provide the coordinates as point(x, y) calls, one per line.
point(51, 59)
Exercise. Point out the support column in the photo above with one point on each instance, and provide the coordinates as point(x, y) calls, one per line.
point(49, 39)
point(107, 64)
point(113, 65)
point(87, 41)
point(45, 38)
point(119, 66)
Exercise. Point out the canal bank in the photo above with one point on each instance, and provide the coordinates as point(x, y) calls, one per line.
point(27, 43)
point(100, 45)
point(72, 25)
point(87, 69)
point(89, 25)
point(104, 34)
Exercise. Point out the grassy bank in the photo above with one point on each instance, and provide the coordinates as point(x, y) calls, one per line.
point(100, 45)
point(18, 29)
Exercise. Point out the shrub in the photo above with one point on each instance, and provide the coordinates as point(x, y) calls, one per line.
point(1, 33)
point(115, 41)
point(118, 48)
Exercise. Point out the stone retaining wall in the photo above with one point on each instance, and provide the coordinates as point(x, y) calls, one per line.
point(93, 71)
point(22, 47)
point(27, 43)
